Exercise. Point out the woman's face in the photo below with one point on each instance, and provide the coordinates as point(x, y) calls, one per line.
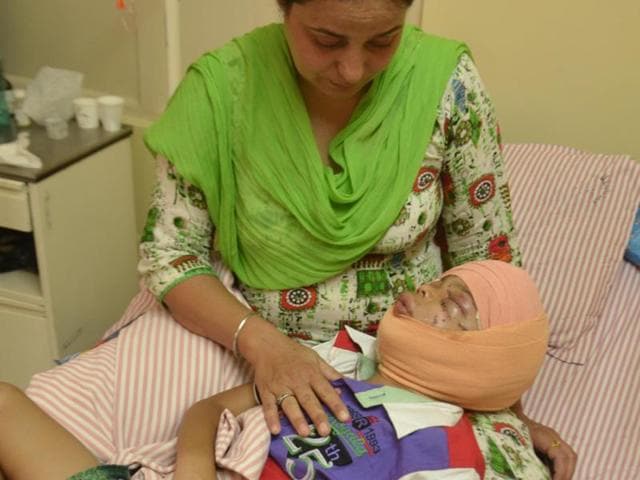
point(445, 303)
point(339, 46)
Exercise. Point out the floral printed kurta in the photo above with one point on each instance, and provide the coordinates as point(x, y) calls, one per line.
point(458, 209)
point(505, 443)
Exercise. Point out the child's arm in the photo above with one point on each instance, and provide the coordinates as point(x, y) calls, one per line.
point(195, 458)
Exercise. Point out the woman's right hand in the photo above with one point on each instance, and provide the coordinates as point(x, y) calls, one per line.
point(283, 366)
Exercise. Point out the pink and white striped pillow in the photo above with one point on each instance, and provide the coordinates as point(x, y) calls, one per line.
point(573, 211)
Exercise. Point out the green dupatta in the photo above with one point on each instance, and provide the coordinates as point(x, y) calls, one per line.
point(238, 129)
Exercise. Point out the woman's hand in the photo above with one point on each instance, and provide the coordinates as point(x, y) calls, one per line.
point(548, 441)
point(295, 379)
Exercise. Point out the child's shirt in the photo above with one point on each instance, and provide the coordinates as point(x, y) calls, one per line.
point(383, 442)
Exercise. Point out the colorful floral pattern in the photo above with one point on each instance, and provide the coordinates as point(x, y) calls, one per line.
point(499, 248)
point(505, 443)
point(298, 298)
point(482, 190)
point(426, 177)
point(454, 193)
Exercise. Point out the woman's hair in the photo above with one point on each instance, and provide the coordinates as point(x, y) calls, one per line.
point(285, 5)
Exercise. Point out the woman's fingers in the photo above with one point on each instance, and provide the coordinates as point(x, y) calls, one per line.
point(564, 460)
point(309, 402)
point(330, 397)
point(269, 408)
point(291, 409)
point(299, 391)
point(293, 405)
point(328, 371)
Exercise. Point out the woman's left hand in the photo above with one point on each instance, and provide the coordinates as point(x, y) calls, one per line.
point(548, 441)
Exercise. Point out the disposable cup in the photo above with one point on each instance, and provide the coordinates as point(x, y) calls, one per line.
point(86, 110)
point(56, 127)
point(110, 111)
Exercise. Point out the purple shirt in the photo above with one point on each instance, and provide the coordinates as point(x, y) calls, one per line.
point(365, 448)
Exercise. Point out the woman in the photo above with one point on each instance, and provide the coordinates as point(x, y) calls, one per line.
point(322, 156)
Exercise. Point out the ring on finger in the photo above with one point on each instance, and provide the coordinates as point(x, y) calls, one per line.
point(555, 444)
point(282, 397)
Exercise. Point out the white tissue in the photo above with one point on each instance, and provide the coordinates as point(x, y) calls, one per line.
point(17, 155)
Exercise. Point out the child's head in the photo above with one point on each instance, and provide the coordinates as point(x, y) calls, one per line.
point(488, 343)
point(473, 296)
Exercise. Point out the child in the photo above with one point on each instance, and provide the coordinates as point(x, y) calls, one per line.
point(423, 345)
point(475, 338)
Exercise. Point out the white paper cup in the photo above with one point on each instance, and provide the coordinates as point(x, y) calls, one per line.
point(110, 111)
point(86, 110)
point(57, 127)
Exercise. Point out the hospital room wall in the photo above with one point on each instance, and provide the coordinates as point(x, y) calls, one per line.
point(564, 72)
point(128, 53)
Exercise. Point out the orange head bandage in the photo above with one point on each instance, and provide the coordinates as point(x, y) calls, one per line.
point(487, 369)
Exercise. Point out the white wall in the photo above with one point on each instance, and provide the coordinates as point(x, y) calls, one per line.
point(559, 71)
point(125, 54)
point(82, 35)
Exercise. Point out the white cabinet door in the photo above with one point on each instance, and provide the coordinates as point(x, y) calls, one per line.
point(25, 344)
point(14, 205)
point(86, 242)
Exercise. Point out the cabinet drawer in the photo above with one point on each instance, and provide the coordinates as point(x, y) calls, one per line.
point(14, 205)
point(25, 345)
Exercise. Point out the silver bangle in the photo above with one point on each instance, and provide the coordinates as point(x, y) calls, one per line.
point(256, 394)
point(236, 334)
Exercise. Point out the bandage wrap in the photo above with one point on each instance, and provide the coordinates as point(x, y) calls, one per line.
point(487, 369)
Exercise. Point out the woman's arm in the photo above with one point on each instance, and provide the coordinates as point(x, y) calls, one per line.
point(195, 456)
point(175, 252)
point(176, 240)
point(549, 442)
point(203, 305)
point(476, 217)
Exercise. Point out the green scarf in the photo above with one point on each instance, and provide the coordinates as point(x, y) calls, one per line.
point(238, 129)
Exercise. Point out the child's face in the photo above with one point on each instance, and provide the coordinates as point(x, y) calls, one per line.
point(446, 303)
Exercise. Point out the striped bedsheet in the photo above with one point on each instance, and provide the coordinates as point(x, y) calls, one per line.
point(574, 210)
point(596, 407)
point(125, 399)
point(593, 404)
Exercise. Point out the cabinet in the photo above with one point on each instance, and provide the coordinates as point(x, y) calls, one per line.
point(80, 210)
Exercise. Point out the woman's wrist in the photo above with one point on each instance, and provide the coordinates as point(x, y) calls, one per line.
point(236, 335)
point(257, 335)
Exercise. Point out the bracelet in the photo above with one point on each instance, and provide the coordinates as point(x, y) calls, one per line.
point(256, 394)
point(236, 334)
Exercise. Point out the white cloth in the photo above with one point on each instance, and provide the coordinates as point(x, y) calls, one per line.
point(17, 155)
